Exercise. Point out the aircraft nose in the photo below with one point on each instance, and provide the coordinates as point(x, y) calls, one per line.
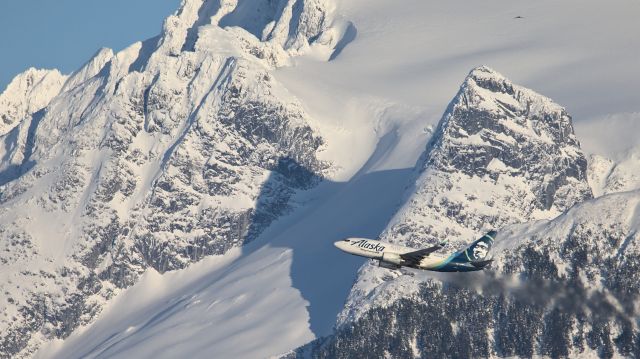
point(339, 244)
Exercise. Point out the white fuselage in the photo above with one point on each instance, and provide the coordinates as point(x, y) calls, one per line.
point(376, 250)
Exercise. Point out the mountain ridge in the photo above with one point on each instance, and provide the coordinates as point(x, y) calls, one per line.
point(501, 154)
point(569, 284)
point(28, 93)
point(187, 147)
point(155, 156)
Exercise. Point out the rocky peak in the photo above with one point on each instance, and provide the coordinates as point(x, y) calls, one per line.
point(291, 25)
point(28, 93)
point(502, 154)
point(175, 148)
point(495, 128)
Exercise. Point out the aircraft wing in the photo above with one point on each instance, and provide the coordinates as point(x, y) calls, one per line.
point(416, 257)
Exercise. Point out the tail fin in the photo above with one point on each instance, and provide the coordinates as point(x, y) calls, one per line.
point(477, 252)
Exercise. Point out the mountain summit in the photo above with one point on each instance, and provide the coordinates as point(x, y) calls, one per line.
point(564, 280)
point(172, 149)
point(494, 128)
point(502, 154)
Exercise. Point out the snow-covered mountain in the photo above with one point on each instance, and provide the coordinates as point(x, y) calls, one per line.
point(565, 279)
point(610, 176)
point(502, 154)
point(28, 93)
point(175, 148)
point(180, 198)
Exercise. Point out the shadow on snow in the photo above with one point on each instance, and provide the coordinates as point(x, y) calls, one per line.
point(328, 212)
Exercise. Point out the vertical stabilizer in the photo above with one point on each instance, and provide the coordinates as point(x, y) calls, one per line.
point(478, 250)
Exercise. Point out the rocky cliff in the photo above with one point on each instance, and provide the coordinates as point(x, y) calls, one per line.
point(559, 287)
point(502, 154)
point(175, 148)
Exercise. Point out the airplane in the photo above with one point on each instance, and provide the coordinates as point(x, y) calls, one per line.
point(392, 256)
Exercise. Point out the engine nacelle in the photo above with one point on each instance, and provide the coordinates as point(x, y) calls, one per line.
point(392, 258)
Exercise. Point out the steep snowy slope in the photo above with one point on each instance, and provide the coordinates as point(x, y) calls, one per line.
point(28, 93)
point(274, 295)
point(502, 154)
point(583, 54)
point(175, 148)
point(566, 287)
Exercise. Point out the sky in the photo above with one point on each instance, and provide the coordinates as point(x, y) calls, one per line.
point(64, 34)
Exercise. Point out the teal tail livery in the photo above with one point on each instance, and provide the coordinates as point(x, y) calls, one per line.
point(472, 258)
point(475, 255)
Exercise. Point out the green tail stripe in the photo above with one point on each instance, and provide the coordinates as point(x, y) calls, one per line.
point(466, 253)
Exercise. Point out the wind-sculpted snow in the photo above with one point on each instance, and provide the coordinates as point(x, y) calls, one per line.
point(502, 154)
point(175, 148)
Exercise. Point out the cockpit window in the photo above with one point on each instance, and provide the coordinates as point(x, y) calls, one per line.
point(347, 240)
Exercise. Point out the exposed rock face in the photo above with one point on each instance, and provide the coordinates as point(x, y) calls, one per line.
point(559, 288)
point(175, 148)
point(608, 176)
point(502, 154)
point(564, 288)
point(495, 128)
point(28, 93)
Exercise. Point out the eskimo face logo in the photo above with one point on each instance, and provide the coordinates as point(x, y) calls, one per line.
point(480, 250)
